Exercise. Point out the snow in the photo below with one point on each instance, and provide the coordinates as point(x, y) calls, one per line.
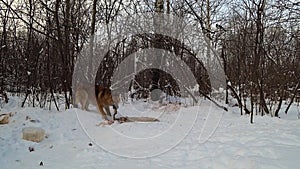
point(186, 137)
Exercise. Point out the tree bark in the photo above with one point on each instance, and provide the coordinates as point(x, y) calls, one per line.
point(292, 99)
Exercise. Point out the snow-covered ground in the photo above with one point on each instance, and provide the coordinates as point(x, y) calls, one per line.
point(186, 137)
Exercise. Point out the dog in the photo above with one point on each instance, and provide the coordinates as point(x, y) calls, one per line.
point(99, 96)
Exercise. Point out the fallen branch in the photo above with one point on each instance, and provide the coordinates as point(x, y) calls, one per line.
point(128, 119)
point(214, 102)
point(136, 119)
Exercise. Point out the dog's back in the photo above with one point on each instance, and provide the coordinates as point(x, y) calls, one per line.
point(96, 95)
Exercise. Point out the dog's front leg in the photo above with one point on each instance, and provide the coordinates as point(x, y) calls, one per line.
point(107, 110)
point(115, 107)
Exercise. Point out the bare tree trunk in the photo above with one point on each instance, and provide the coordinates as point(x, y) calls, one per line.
point(28, 55)
point(258, 53)
point(68, 69)
point(63, 52)
point(225, 71)
point(168, 7)
point(251, 117)
point(278, 107)
point(3, 51)
point(159, 8)
point(92, 33)
point(292, 99)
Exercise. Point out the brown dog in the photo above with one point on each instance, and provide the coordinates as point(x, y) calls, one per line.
point(96, 95)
